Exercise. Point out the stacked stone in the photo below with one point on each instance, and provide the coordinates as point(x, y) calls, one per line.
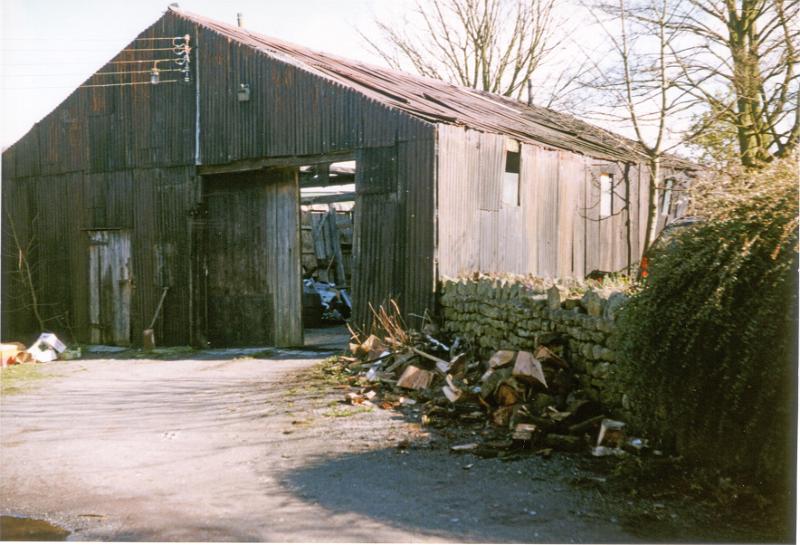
point(502, 313)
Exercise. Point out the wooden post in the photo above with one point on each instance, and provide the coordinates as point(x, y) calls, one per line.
point(333, 231)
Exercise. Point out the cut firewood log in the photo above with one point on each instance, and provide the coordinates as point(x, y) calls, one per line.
point(612, 433)
point(586, 425)
point(507, 395)
point(452, 394)
point(548, 357)
point(502, 416)
point(523, 432)
point(414, 378)
point(452, 391)
point(442, 365)
point(458, 365)
point(501, 358)
point(528, 369)
point(466, 447)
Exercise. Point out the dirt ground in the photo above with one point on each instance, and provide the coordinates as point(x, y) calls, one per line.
point(255, 446)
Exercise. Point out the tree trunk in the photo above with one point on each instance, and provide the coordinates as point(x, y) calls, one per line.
point(654, 171)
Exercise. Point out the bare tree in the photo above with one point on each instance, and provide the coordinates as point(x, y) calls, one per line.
point(742, 61)
point(635, 82)
point(492, 45)
point(25, 270)
point(700, 71)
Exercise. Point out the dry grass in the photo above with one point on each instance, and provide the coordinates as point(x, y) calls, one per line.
point(18, 378)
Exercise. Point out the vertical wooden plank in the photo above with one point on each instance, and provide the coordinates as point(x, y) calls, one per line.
point(95, 331)
point(119, 256)
point(288, 274)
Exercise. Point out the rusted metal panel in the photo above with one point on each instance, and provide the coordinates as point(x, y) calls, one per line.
point(547, 213)
point(416, 263)
point(529, 196)
point(430, 100)
point(513, 240)
point(460, 175)
point(569, 172)
point(377, 240)
point(17, 320)
point(240, 295)
point(492, 152)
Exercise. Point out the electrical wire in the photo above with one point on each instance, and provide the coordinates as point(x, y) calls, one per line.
point(9, 76)
point(176, 49)
point(180, 47)
point(129, 83)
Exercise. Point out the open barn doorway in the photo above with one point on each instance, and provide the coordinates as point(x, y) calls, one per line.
point(327, 216)
point(253, 293)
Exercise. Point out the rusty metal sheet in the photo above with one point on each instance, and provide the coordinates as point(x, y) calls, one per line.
point(434, 100)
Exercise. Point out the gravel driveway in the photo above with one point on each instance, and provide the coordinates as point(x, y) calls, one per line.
point(215, 447)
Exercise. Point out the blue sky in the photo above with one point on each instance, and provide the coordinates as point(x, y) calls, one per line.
point(49, 47)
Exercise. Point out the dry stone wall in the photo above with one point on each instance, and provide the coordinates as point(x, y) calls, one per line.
point(520, 313)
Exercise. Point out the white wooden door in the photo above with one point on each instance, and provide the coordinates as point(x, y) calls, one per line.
point(110, 284)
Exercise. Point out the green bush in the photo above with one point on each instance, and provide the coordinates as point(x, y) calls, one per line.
point(708, 346)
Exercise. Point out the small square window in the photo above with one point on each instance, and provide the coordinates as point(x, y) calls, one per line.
point(606, 189)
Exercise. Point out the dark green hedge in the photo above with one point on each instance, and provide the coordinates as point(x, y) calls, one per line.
point(709, 345)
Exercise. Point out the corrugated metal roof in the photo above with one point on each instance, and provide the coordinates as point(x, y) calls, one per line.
point(438, 101)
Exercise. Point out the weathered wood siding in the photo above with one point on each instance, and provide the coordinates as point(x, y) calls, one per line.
point(556, 231)
point(253, 266)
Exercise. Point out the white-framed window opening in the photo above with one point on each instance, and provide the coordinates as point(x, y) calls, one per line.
point(667, 197)
point(511, 178)
point(606, 189)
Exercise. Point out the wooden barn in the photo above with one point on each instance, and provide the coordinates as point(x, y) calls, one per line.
point(170, 182)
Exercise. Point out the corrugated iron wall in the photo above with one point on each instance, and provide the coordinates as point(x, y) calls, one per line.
point(113, 157)
point(124, 157)
point(295, 113)
point(56, 212)
point(556, 231)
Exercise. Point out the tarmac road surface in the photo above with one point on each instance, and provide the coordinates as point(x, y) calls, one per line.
point(213, 447)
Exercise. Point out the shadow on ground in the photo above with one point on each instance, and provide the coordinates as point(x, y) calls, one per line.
point(471, 499)
point(320, 342)
point(488, 500)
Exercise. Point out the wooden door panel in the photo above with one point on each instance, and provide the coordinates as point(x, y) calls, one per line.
point(253, 259)
point(110, 287)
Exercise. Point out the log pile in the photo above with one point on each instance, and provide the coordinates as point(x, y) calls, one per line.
point(516, 401)
point(521, 313)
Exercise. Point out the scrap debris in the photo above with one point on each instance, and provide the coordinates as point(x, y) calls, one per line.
point(45, 349)
point(513, 402)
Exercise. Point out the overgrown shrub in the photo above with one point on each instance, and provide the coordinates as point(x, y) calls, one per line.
point(708, 346)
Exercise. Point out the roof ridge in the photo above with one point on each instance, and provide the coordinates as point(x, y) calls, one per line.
point(440, 101)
